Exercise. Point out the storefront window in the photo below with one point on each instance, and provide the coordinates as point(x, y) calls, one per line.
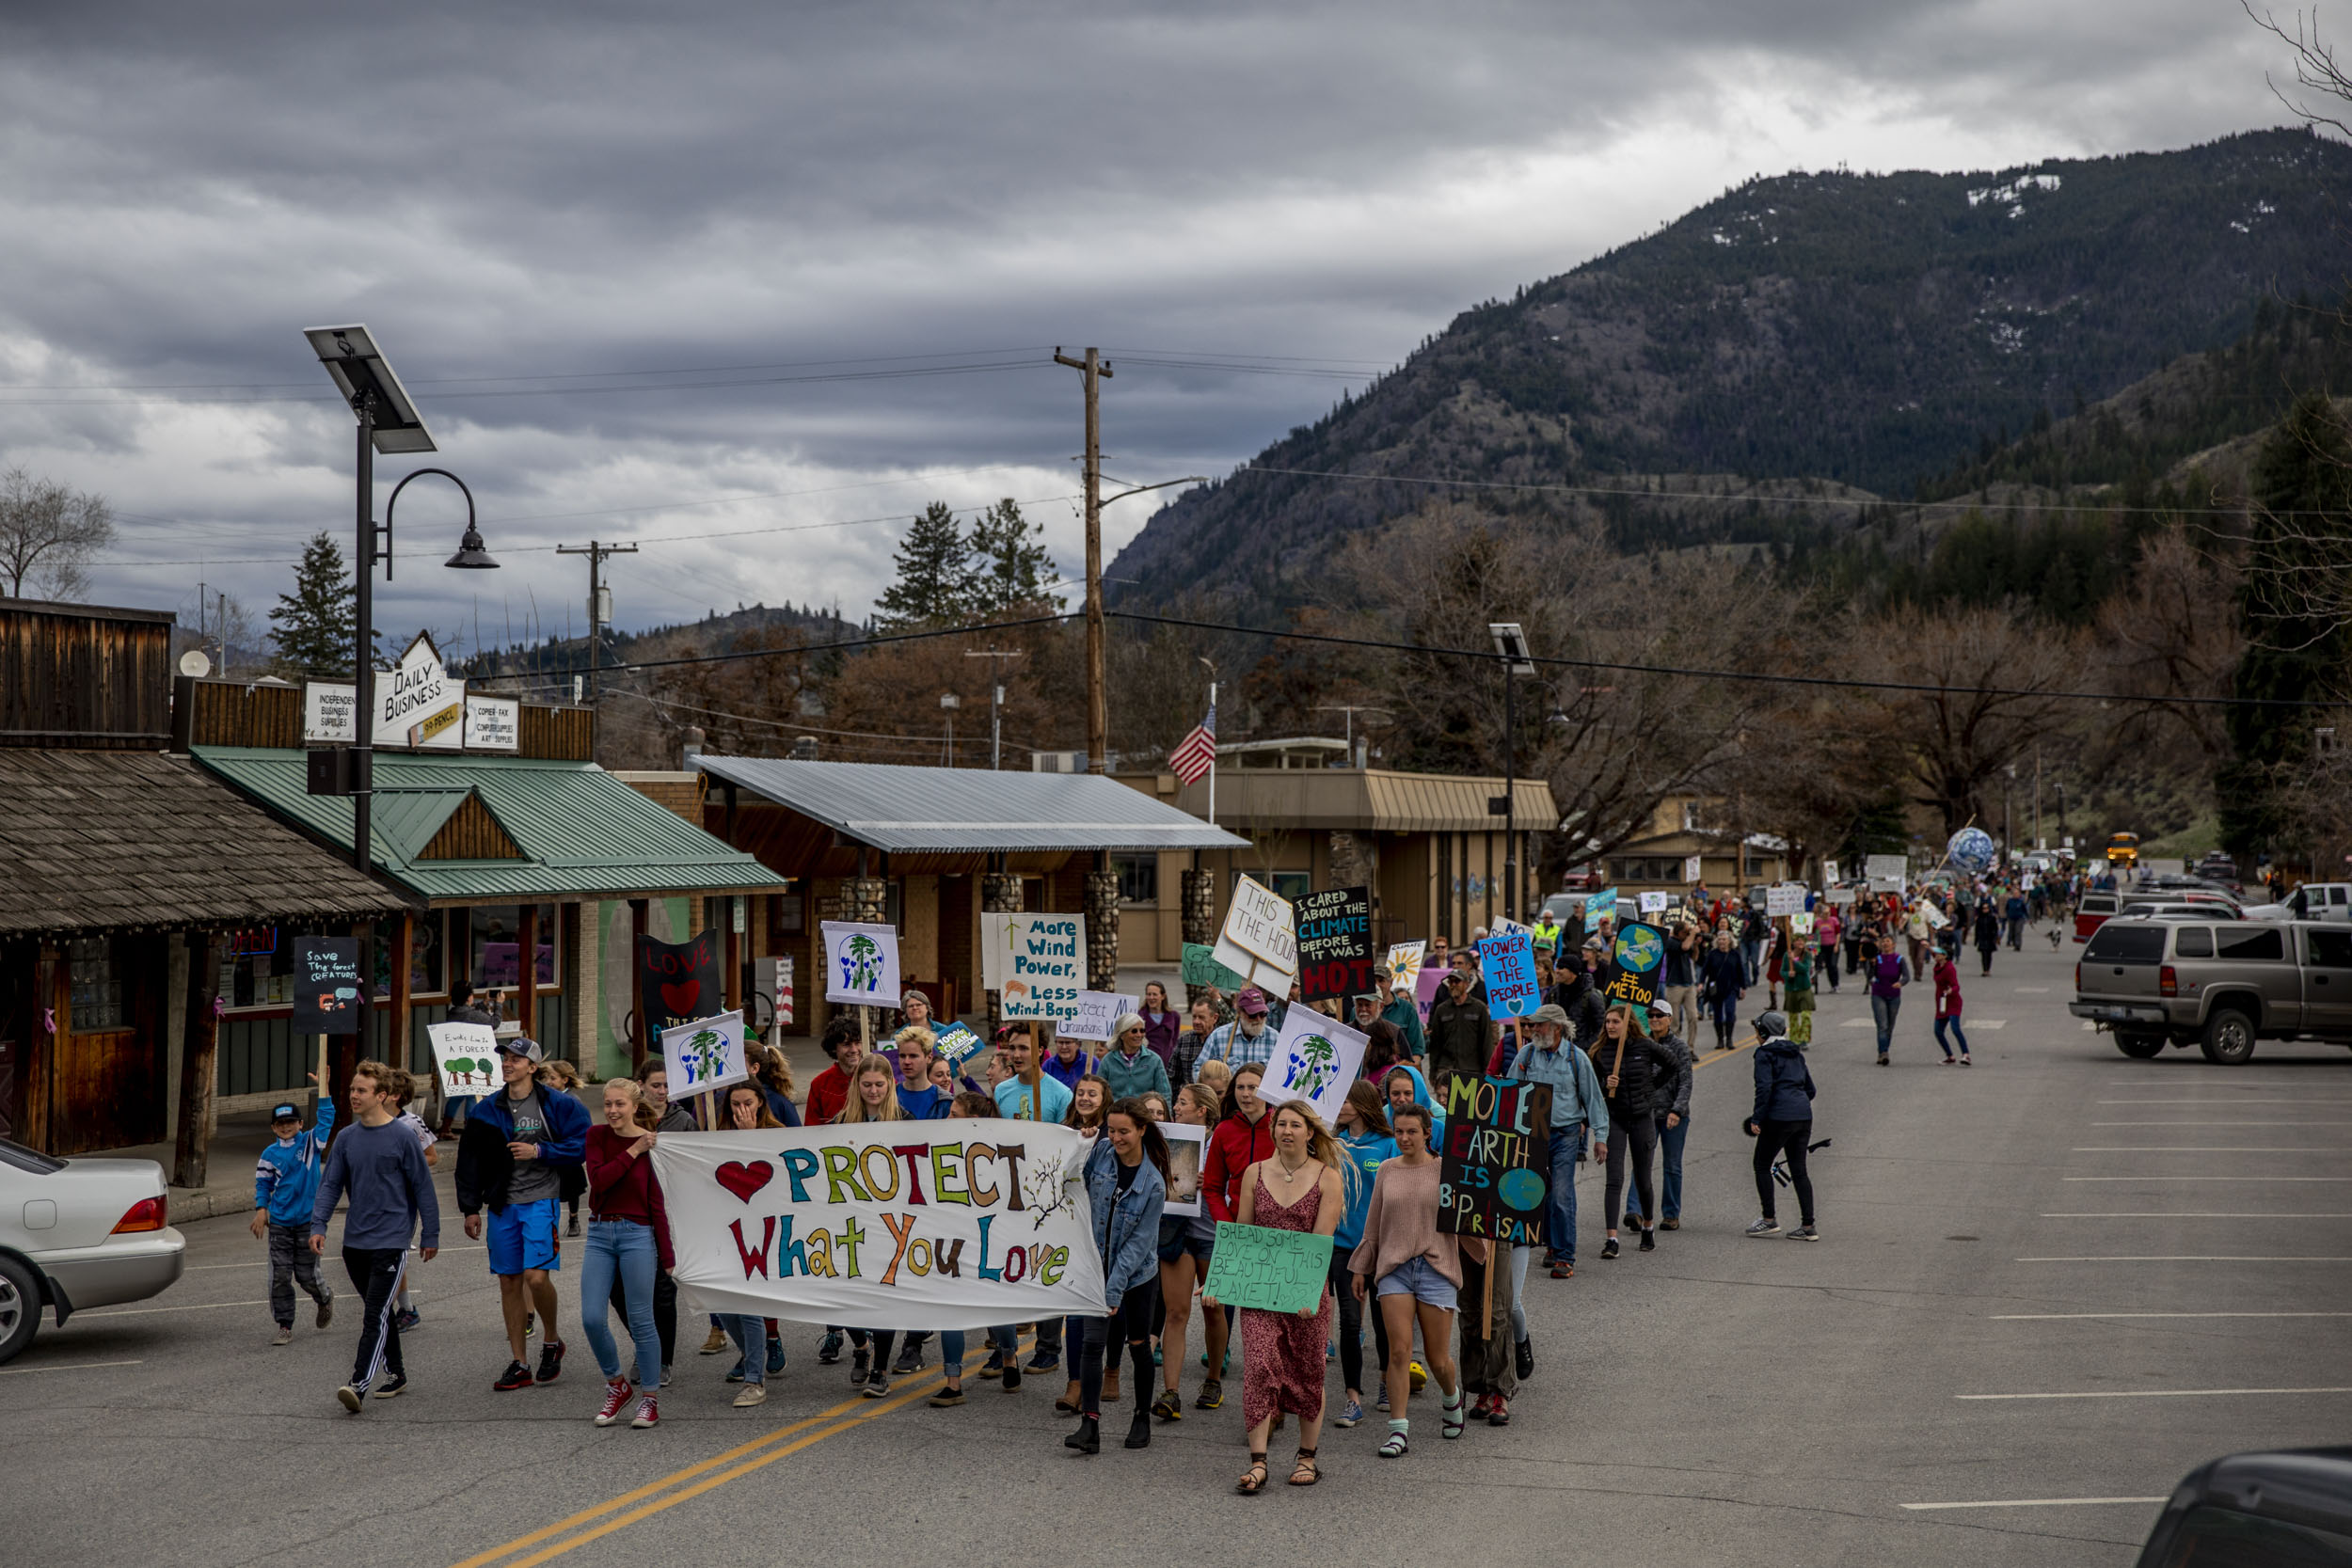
point(1138, 877)
point(257, 969)
point(424, 954)
point(497, 941)
point(97, 995)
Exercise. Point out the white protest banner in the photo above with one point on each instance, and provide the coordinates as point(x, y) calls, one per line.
point(1314, 1059)
point(1098, 1011)
point(861, 964)
point(1505, 925)
point(466, 1055)
point(1783, 898)
point(705, 1055)
point(1653, 903)
point(1260, 937)
point(1403, 965)
point(897, 1225)
point(1036, 965)
point(1188, 1146)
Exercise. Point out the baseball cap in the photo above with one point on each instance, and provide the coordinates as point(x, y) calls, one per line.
point(1661, 1009)
point(1251, 1001)
point(1551, 1012)
point(523, 1046)
point(284, 1113)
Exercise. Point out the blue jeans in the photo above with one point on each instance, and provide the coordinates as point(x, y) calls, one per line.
point(1954, 1024)
point(751, 1337)
point(1568, 1152)
point(1752, 958)
point(620, 1247)
point(1670, 1144)
point(951, 1348)
point(1882, 1011)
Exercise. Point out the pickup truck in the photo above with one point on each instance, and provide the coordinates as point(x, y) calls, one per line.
point(2222, 985)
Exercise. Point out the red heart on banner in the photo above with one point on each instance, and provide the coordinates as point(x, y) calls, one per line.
point(680, 996)
point(742, 1180)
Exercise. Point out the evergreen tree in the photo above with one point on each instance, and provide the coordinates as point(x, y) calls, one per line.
point(1012, 569)
point(2302, 493)
point(313, 625)
point(935, 563)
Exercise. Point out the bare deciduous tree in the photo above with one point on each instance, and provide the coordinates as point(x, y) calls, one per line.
point(48, 533)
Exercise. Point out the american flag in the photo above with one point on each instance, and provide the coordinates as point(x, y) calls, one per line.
point(1196, 753)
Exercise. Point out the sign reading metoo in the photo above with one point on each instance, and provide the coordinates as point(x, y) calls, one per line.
point(955, 1224)
point(1494, 1173)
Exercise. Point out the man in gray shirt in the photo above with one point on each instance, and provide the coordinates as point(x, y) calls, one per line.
point(379, 1164)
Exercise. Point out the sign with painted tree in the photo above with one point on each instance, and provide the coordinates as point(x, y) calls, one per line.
point(861, 964)
point(705, 1055)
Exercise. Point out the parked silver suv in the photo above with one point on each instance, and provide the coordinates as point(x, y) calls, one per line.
point(2223, 985)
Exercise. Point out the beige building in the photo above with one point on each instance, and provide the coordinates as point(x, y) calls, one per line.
point(1682, 830)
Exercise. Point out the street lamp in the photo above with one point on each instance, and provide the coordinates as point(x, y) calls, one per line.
point(387, 422)
point(1510, 648)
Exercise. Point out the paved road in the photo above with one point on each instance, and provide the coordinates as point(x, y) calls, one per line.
point(2061, 1274)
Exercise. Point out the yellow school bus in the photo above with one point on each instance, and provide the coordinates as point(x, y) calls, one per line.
point(2124, 850)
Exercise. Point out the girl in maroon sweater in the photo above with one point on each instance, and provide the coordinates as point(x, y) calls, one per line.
point(628, 1237)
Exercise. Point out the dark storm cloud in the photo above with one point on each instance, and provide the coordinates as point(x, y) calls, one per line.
point(516, 190)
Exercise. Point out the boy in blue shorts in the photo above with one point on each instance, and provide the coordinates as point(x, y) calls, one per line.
point(512, 1160)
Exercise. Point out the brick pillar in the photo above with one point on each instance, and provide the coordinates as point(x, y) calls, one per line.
point(1102, 911)
point(1000, 894)
point(1198, 918)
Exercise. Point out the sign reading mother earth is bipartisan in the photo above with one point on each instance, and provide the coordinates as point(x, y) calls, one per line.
point(1493, 1174)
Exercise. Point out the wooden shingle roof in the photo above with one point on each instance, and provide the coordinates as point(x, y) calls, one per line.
point(132, 840)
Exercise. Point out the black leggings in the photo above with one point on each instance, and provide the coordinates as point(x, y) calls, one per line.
point(1641, 1130)
point(1788, 1138)
point(1351, 1323)
point(1131, 1322)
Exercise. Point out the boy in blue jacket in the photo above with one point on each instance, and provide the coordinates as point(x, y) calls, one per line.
point(284, 1182)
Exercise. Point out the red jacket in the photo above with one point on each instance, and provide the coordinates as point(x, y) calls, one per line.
point(1946, 989)
point(828, 1092)
point(1233, 1148)
point(621, 1187)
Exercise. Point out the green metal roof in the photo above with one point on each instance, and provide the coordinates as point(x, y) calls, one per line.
point(585, 833)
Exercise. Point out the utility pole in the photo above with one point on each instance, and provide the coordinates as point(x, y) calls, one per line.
point(996, 701)
point(1098, 701)
point(596, 617)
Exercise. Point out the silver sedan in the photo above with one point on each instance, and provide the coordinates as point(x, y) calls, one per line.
point(79, 1234)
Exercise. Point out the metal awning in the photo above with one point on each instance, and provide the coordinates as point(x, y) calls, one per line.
point(957, 809)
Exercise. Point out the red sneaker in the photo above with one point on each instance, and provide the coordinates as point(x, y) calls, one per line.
point(646, 1414)
point(1480, 1406)
point(615, 1395)
point(1499, 1412)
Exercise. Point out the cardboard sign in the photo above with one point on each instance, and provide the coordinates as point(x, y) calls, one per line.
point(1783, 898)
point(1494, 1173)
point(1639, 950)
point(1315, 1058)
point(466, 1056)
point(1260, 939)
point(1036, 965)
point(1187, 1149)
point(705, 1055)
point(1599, 907)
point(957, 1043)
point(682, 981)
point(1098, 1015)
point(1507, 963)
point(1653, 903)
point(1335, 943)
point(1274, 1271)
point(1404, 966)
point(860, 963)
point(327, 986)
point(821, 1224)
point(1202, 969)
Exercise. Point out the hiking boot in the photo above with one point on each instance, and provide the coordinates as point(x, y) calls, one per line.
point(1563, 1270)
point(284, 1334)
point(516, 1376)
point(551, 1360)
point(1212, 1395)
point(1670, 1223)
point(1170, 1407)
point(1765, 1227)
point(617, 1393)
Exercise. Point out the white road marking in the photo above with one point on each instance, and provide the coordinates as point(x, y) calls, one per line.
point(2035, 1502)
point(2153, 1393)
point(150, 1312)
point(2032, 990)
point(2192, 1148)
point(64, 1367)
point(2058, 1317)
point(1986, 1022)
point(2222, 1124)
point(2088, 1027)
point(1856, 1023)
point(2205, 1177)
point(2182, 1257)
point(2228, 1104)
point(2192, 1214)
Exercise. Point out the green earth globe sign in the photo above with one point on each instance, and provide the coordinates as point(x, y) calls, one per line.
point(1640, 949)
point(1522, 1190)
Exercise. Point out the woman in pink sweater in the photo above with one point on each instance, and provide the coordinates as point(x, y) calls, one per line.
point(1415, 1269)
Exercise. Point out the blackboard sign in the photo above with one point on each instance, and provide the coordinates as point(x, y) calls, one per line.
point(1335, 943)
point(1495, 1171)
point(1640, 950)
point(327, 996)
point(682, 981)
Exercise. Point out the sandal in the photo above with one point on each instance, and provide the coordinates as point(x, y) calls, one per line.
point(1252, 1479)
point(1451, 1421)
point(1305, 1466)
point(1395, 1447)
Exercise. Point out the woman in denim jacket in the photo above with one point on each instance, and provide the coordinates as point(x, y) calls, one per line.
point(1126, 1177)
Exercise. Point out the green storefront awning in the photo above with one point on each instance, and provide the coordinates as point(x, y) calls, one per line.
point(580, 832)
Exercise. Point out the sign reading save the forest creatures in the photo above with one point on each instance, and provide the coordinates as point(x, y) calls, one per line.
point(1315, 1058)
point(1260, 937)
point(680, 980)
point(327, 996)
point(1494, 1173)
point(860, 963)
point(929, 1225)
point(1507, 963)
point(1274, 1271)
point(1036, 964)
point(705, 1055)
point(466, 1055)
point(1335, 943)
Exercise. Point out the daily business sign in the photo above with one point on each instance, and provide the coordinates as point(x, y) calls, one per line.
point(417, 704)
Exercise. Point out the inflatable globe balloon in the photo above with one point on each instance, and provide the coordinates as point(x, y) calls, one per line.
point(1971, 850)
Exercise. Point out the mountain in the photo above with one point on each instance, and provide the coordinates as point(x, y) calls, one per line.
point(1879, 333)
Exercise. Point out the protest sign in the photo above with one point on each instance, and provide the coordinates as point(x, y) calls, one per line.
point(327, 986)
point(1098, 1014)
point(1829, 874)
point(1036, 964)
point(1259, 940)
point(1639, 949)
point(1801, 923)
point(957, 1043)
point(1274, 1271)
point(1202, 969)
point(1653, 903)
point(1507, 963)
point(1494, 1171)
point(466, 1056)
point(1403, 965)
point(681, 980)
point(927, 1225)
point(860, 963)
point(1886, 869)
point(1314, 1059)
point(1783, 898)
point(705, 1055)
point(1188, 1146)
point(1841, 895)
point(1425, 987)
point(1335, 943)
point(1691, 869)
point(1599, 907)
point(1505, 925)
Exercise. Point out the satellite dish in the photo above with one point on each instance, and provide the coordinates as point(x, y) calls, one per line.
point(193, 663)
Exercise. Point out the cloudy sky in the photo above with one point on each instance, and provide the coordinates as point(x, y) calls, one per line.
point(751, 283)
